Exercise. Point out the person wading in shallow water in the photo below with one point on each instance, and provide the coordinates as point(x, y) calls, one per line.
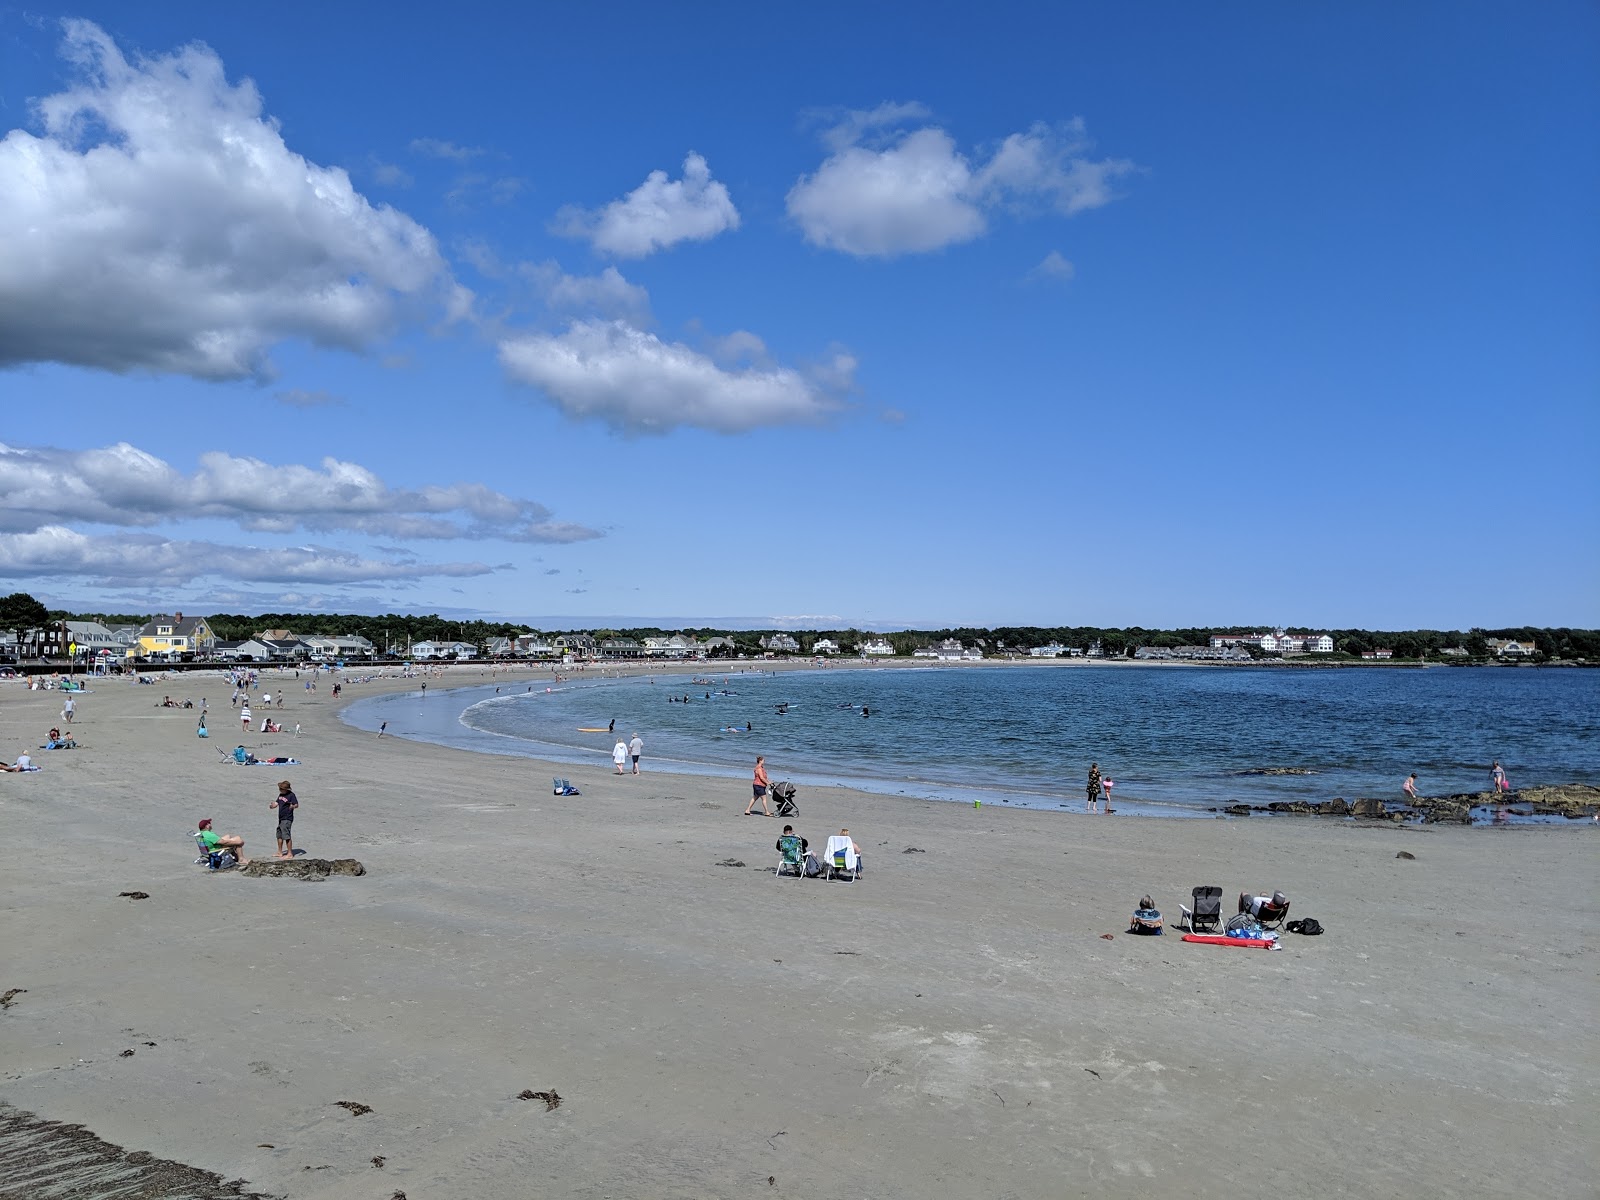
point(1094, 788)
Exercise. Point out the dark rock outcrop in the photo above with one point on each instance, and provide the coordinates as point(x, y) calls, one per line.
point(302, 868)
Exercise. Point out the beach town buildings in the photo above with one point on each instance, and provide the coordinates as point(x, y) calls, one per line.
point(824, 646)
point(949, 650)
point(1278, 642)
point(1055, 651)
point(573, 647)
point(1192, 654)
point(876, 648)
point(779, 643)
point(1377, 655)
point(532, 645)
point(337, 647)
point(168, 637)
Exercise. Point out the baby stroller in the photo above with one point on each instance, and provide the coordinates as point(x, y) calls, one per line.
point(783, 797)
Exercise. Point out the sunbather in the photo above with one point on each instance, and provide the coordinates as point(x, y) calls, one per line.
point(223, 841)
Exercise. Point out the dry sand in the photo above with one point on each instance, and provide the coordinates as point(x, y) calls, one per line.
point(952, 1025)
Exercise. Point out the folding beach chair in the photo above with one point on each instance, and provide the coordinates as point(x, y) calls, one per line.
point(1207, 910)
point(560, 787)
point(1270, 916)
point(841, 858)
point(791, 856)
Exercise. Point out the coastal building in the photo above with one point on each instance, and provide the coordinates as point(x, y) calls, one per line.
point(577, 646)
point(949, 650)
point(1371, 655)
point(338, 647)
point(621, 647)
point(175, 635)
point(532, 645)
point(779, 643)
point(1511, 647)
point(439, 649)
point(824, 646)
point(1050, 651)
point(91, 637)
point(876, 648)
point(1277, 642)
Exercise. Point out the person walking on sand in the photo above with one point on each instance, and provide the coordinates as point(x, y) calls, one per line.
point(244, 717)
point(1094, 788)
point(68, 709)
point(619, 754)
point(285, 802)
point(382, 726)
point(635, 749)
point(1409, 787)
point(758, 788)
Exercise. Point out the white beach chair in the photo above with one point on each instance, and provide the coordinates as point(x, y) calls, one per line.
point(840, 857)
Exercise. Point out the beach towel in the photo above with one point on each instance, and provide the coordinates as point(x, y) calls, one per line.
point(839, 844)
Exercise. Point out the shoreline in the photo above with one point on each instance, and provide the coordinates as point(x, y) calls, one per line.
point(926, 1032)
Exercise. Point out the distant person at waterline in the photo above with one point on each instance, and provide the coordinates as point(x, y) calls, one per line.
point(1094, 788)
point(1497, 778)
point(1409, 787)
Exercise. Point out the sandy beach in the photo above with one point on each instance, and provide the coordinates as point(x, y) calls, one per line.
point(953, 1024)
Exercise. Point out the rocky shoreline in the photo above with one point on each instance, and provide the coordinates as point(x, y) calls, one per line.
point(1574, 801)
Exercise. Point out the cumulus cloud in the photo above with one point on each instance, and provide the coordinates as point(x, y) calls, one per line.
point(608, 294)
point(1053, 267)
point(635, 382)
point(659, 213)
point(101, 561)
point(158, 222)
point(885, 191)
point(124, 486)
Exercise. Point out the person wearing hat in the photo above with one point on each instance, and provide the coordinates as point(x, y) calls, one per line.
point(223, 841)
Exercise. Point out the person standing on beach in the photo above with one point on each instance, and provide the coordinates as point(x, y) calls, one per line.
point(244, 717)
point(67, 710)
point(1497, 778)
point(635, 749)
point(1094, 788)
point(381, 727)
point(1409, 787)
point(758, 787)
point(285, 802)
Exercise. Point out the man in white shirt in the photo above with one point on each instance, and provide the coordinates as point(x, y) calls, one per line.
point(635, 748)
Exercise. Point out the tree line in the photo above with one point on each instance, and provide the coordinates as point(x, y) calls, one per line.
point(20, 611)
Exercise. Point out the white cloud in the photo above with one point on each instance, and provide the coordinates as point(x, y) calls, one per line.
point(390, 175)
point(122, 485)
point(160, 223)
point(1053, 266)
point(912, 192)
point(304, 398)
point(657, 214)
point(608, 293)
point(435, 148)
point(145, 559)
point(635, 382)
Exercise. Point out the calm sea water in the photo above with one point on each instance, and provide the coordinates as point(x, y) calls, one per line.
point(1175, 741)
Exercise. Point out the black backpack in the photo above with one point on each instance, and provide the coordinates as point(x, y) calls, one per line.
point(1310, 927)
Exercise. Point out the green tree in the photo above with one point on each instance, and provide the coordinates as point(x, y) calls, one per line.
point(20, 612)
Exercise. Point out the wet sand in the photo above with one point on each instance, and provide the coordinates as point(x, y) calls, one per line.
point(952, 1025)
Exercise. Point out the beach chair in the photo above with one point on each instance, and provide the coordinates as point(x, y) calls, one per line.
point(840, 857)
point(560, 787)
point(1207, 910)
point(791, 857)
point(1271, 915)
point(213, 860)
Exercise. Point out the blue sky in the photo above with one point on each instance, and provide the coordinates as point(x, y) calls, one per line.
point(804, 315)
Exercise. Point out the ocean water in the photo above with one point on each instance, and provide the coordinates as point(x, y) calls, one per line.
point(1175, 741)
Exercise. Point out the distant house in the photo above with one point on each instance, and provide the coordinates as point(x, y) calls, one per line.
point(1050, 651)
point(532, 645)
point(1319, 644)
point(1370, 655)
point(441, 649)
point(499, 647)
point(876, 647)
point(257, 649)
point(1511, 647)
point(824, 646)
point(621, 647)
point(779, 643)
point(1277, 642)
point(577, 646)
point(171, 636)
point(949, 650)
point(91, 637)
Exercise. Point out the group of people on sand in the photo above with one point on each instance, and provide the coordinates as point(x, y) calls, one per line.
point(786, 844)
point(286, 803)
point(623, 751)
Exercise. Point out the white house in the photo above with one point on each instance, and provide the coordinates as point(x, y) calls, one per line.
point(433, 649)
point(824, 646)
point(1319, 643)
point(1377, 654)
point(533, 645)
point(1512, 647)
point(1050, 651)
point(877, 647)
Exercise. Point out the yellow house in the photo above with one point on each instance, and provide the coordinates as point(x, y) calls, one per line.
point(175, 635)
